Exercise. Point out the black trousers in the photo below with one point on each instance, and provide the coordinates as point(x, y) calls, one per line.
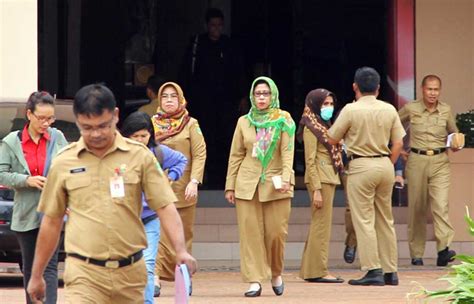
point(27, 242)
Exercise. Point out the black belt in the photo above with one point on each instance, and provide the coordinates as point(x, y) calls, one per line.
point(110, 263)
point(354, 156)
point(430, 152)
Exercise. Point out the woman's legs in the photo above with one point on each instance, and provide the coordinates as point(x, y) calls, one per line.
point(152, 229)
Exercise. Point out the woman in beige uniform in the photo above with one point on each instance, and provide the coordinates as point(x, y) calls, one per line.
point(260, 183)
point(323, 166)
point(176, 129)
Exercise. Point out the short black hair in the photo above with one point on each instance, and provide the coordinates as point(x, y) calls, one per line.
point(367, 79)
point(138, 121)
point(154, 83)
point(213, 13)
point(93, 100)
point(430, 78)
point(41, 97)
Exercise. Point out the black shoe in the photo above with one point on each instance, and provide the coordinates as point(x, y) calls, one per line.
point(445, 256)
point(278, 290)
point(417, 262)
point(373, 277)
point(157, 291)
point(391, 278)
point(254, 293)
point(349, 254)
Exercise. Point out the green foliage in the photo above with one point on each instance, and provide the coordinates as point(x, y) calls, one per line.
point(465, 123)
point(461, 278)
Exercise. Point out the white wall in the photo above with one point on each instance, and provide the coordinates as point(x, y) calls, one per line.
point(18, 48)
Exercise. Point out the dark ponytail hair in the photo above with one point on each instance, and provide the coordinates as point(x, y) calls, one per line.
point(141, 121)
point(41, 97)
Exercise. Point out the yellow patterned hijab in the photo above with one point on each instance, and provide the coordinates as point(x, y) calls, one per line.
point(169, 124)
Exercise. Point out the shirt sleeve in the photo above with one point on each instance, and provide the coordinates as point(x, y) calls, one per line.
point(173, 161)
point(198, 152)
point(451, 126)
point(155, 185)
point(397, 132)
point(236, 156)
point(310, 148)
point(340, 126)
point(404, 114)
point(53, 200)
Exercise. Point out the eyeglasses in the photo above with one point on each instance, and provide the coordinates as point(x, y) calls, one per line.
point(263, 93)
point(43, 119)
point(102, 128)
point(172, 96)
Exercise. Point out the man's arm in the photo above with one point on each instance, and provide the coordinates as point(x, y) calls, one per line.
point(46, 244)
point(397, 146)
point(171, 223)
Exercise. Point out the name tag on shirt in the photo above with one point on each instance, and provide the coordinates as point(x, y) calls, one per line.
point(117, 189)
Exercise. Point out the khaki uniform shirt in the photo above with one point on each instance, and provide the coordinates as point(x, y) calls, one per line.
point(99, 226)
point(319, 168)
point(428, 130)
point(367, 127)
point(190, 142)
point(244, 170)
point(150, 108)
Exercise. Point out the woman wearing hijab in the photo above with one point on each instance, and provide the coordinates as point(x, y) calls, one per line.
point(25, 159)
point(138, 127)
point(323, 168)
point(176, 129)
point(260, 183)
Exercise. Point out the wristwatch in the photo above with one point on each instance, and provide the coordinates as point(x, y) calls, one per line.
point(195, 181)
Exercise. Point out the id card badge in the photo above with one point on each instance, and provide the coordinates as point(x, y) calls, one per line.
point(117, 189)
point(254, 150)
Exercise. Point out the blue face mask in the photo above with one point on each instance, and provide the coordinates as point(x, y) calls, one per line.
point(326, 113)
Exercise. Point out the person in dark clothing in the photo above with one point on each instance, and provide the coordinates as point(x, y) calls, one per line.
point(212, 72)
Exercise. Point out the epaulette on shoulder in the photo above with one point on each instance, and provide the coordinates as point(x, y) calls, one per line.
point(134, 142)
point(68, 147)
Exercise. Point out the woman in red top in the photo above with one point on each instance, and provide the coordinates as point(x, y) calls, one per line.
point(25, 158)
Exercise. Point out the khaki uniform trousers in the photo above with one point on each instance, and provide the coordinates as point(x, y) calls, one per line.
point(92, 284)
point(166, 261)
point(351, 239)
point(428, 178)
point(314, 263)
point(369, 186)
point(263, 229)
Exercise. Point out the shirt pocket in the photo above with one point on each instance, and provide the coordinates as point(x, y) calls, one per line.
point(133, 192)
point(418, 124)
point(79, 189)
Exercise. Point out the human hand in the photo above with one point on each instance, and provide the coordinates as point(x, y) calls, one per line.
point(285, 187)
point(36, 181)
point(36, 289)
point(185, 258)
point(404, 154)
point(399, 179)
point(191, 191)
point(230, 196)
point(317, 199)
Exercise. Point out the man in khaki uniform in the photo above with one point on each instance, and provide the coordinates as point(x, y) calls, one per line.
point(428, 170)
point(98, 181)
point(367, 126)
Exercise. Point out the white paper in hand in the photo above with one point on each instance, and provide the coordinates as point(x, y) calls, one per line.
point(182, 284)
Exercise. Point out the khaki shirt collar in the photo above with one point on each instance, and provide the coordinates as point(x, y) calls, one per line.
point(440, 106)
point(367, 98)
point(119, 143)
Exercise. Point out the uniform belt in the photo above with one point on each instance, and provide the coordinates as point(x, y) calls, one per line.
point(428, 152)
point(110, 263)
point(354, 156)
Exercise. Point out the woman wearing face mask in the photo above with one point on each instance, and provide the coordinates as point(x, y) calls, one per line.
point(175, 128)
point(323, 168)
point(138, 127)
point(260, 181)
point(25, 158)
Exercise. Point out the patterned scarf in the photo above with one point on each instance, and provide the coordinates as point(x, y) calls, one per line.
point(169, 124)
point(269, 124)
point(319, 128)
